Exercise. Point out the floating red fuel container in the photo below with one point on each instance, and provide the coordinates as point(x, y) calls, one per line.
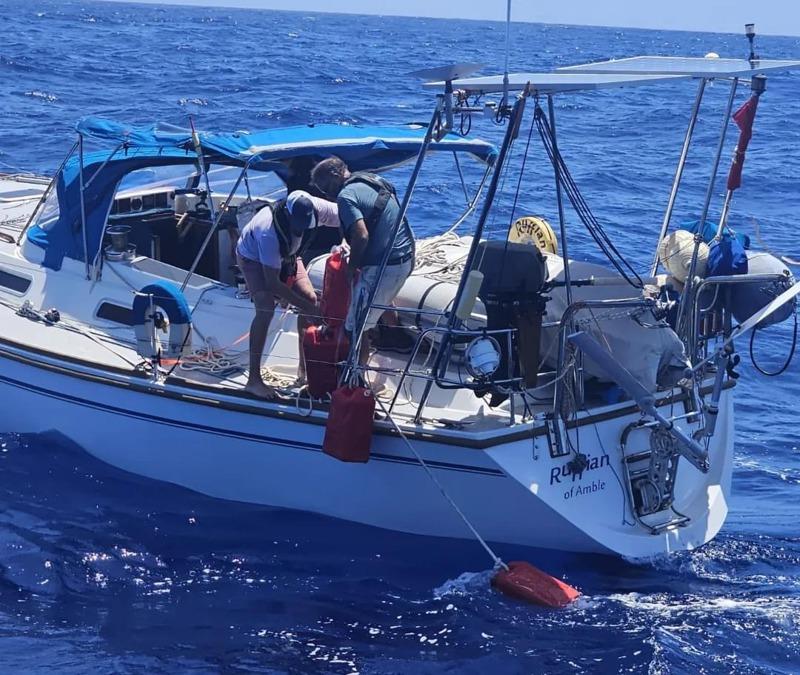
point(525, 582)
point(348, 434)
point(323, 348)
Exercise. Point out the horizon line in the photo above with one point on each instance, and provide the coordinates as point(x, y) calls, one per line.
point(212, 5)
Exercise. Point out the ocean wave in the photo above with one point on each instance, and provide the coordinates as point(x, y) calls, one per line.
point(42, 95)
point(790, 475)
point(100, 567)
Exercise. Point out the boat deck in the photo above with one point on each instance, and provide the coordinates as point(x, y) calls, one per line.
point(221, 319)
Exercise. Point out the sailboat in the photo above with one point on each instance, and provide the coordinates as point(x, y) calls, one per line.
point(560, 404)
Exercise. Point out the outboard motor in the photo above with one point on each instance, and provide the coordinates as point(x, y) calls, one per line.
point(514, 277)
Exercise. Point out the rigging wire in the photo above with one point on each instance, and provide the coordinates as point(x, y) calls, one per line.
point(521, 176)
point(580, 205)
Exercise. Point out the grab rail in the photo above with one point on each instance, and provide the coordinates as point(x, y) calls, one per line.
point(692, 340)
point(444, 382)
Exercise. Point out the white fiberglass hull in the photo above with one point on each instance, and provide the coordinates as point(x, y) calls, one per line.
point(513, 492)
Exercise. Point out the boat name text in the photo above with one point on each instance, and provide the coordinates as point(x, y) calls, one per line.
point(564, 471)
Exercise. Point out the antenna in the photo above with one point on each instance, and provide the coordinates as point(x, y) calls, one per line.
point(750, 32)
point(504, 102)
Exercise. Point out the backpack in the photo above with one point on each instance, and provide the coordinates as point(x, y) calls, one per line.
point(726, 257)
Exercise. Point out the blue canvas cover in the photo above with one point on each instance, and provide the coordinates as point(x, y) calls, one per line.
point(64, 236)
point(363, 148)
point(725, 257)
point(710, 232)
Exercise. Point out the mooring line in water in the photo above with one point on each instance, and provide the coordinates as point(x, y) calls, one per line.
point(517, 579)
point(785, 258)
point(498, 562)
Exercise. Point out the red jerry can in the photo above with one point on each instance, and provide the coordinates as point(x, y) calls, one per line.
point(335, 290)
point(348, 434)
point(323, 349)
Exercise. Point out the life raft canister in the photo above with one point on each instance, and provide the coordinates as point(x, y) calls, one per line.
point(169, 298)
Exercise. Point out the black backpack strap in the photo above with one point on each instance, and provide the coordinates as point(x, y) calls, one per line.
point(282, 229)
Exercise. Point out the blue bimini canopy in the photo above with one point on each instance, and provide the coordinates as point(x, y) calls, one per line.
point(375, 148)
point(63, 236)
point(362, 148)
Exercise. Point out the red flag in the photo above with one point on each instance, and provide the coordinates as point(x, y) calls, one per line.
point(743, 117)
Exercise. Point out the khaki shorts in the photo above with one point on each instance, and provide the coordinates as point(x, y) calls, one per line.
point(394, 276)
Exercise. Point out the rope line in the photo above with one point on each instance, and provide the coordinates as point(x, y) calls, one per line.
point(498, 562)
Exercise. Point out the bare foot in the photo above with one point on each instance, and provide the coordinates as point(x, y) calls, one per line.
point(258, 389)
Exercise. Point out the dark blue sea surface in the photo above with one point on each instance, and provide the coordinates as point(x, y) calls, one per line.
point(101, 571)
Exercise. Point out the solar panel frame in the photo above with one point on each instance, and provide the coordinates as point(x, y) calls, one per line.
point(556, 82)
point(691, 66)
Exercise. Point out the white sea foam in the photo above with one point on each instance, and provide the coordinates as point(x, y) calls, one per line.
point(43, 95)
point(465, 584)
point(781, 610)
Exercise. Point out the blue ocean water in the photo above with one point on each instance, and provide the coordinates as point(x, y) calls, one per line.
point(104, 571)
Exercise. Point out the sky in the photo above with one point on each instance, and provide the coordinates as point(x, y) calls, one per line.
point(775, 17)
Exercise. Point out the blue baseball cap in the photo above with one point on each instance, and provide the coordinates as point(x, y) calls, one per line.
point(302, 215)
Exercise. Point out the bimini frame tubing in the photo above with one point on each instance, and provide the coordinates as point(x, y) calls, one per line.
point(217, 217)
point(201, 164)
point(97, 261)
point(360, 323)
point(679, 172)
point(83, 209)
point(46, 193)
point(511, 134)
point(683, 324)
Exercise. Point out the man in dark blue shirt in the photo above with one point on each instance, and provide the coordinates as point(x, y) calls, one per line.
point(368, 211)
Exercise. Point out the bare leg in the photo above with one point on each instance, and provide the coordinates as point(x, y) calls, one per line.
point(302, 286)
point(265, 308)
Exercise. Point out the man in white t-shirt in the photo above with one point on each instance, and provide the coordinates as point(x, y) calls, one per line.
point(267, 253)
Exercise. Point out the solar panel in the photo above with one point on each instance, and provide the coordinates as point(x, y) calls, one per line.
point(553, 83)
point(680, 65)
point(449, 72)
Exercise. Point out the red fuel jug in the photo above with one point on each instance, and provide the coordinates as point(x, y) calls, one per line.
point(335, 290)
point(323, 348)
point(348, 434)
